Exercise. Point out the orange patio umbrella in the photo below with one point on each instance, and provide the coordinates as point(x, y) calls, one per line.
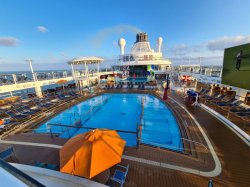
point(91, 153)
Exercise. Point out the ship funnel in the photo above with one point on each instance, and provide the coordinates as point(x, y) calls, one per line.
point(159, 44)
point(122, 43)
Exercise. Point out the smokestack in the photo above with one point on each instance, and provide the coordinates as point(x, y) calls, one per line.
point(122, 43)
point(159, 44)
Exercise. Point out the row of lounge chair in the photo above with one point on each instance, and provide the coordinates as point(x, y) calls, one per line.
point(20, 111)
point(129, 85)
point(229, 103)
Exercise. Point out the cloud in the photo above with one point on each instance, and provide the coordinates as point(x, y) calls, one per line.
point(183, 49)
point(107, 32)
point(205, 60)
point(224, 42)
point(208, 48)
point(42, 29)
point(9, 41)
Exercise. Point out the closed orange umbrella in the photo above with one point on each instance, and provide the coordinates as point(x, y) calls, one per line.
point(11, 99)
point(62, 81)
point(91, 153)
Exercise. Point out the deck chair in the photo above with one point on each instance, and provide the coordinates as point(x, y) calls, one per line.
point(119, 175)
point(225, 102)
point(207, 96)
point(8, 153)
point(210, 183)
point(216, 99)
point(203, 91)
point(15, 116)
point(241, 108)
point(47, 166)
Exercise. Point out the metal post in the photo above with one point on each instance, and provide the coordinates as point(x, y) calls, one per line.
point(51, 134)
point(98, 72)
point(14, 78)
point(73, 72)
point(31, 68)
point(86, 73)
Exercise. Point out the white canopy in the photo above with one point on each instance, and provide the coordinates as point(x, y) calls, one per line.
point(87, 60)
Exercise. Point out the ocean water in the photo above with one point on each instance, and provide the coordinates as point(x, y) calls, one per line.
point(28, 74)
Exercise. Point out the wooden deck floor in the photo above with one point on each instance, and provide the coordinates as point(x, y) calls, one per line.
point(233, 153)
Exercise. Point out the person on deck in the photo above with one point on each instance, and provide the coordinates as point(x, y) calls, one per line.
point(239, 59)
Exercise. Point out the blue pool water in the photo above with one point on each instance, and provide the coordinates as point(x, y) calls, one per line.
point(131, 79)
point(121, 112)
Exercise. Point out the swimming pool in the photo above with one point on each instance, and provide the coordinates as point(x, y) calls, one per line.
point(121, 112)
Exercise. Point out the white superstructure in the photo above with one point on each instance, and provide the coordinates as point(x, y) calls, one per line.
point(142, 54)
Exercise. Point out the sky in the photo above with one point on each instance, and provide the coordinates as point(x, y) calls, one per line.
point(54, 32)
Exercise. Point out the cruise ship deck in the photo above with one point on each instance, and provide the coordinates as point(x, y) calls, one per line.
point(125, 94)
point(187, 135)
point(152, 166)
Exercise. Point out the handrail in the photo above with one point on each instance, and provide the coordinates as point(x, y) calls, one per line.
point(97, 107)
point(198, 143)
point(84, 127)
point(23, 177)
point(139, 126)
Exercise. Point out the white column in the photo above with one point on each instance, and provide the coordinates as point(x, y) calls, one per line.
point(38, 91)
point(35, 74)
point(98, 72)
point(106, 68)
point(72, 71)
point(221, 72)
point(86, 73)
point(14, 78)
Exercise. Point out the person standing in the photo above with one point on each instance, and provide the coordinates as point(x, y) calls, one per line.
point(239, 59)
